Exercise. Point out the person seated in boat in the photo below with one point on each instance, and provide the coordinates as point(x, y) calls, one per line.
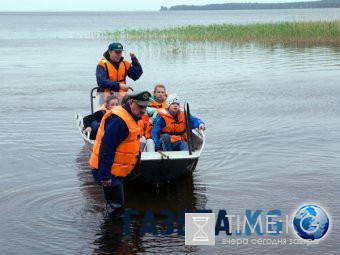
point(157, 101)
point(91, 122)
point(112, 70)
point(169, 130)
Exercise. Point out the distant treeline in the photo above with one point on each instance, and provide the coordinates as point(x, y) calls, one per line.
point(250, 6)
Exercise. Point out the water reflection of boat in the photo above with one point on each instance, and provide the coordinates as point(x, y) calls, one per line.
point(162, 167)
point(187, 193)
point(182, 194)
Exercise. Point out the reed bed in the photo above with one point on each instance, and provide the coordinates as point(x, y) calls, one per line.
point(321, 32)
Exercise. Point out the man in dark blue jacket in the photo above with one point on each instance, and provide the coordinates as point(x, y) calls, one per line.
point(116, 131)
point(112, 70)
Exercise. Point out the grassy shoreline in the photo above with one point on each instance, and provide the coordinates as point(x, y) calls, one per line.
point(322, 32)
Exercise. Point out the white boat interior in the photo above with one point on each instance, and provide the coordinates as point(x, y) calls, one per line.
point(199, 142)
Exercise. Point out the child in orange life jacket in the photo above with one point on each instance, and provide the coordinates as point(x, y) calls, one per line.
point(92, 121)
point(157, 101)
point(169, 129)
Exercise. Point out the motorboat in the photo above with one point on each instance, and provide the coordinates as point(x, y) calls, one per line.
point(162, 166)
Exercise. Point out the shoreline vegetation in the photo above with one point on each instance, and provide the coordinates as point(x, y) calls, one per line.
point(255, 6)
point(313, 33)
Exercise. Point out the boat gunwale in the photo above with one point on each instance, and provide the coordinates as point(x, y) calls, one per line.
point(173, 155)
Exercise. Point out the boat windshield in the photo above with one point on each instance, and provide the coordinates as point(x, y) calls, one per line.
point(99, 98)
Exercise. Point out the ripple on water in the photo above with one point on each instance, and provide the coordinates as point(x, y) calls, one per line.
point(47, 207)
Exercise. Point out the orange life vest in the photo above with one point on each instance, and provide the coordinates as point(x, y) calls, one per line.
point(127, 152)
point(103, 108)
point(176, 129)
point(157, 105)
point(142, 125)
point(147, 128)
point(114, 74)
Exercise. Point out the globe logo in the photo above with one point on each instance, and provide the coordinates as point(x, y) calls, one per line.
point(311, 222)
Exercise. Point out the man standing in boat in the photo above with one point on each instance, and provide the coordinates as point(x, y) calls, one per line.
point(169, 130)
point(113, 69)
point(116, 149)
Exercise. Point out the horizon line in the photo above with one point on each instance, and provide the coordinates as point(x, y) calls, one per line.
point(2, 11)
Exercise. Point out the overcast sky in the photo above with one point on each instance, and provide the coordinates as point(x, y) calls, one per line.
point(109, 5)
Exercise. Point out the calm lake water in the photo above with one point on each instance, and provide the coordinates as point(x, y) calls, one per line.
point(272, 117)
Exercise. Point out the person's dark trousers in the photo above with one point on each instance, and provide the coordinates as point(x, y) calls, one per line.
point(180, 146)
point(94, 126)
point(176, 146)
point(166, 142)
point(114, 195)
point(115, 202)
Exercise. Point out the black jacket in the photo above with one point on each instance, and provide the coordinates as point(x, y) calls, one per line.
point(96, 116)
